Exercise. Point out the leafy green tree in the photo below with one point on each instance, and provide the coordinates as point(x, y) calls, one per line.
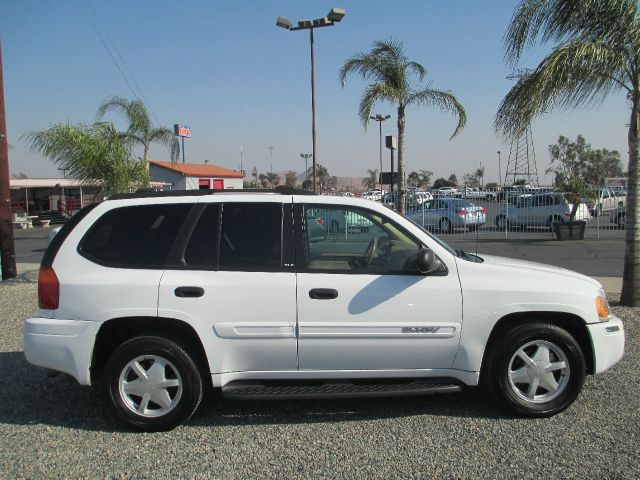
point(273, 179)
point(393, 76)
point(424, 178)
point(442, 182)
point(291, 179)
point(413, 179)
point(471, 179)
point(371, 181)
point(596, 45)
point(322, 176)
point(97, 153)
point(332, 182)
point(141, 130)
point(307, 185)
point(453, 178)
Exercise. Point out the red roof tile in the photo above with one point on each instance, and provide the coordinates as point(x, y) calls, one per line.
point(196, 170)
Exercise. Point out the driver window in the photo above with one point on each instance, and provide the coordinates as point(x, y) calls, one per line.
point(356, 241)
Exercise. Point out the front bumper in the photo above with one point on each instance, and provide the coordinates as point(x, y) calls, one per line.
point(607, 339)
point(61, 345)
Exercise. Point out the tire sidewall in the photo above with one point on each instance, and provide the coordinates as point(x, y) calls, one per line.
point(189, 373)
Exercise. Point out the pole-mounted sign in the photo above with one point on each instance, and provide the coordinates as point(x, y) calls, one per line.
point(182, 131)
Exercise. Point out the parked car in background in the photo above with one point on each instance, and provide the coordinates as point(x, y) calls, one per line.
point(315, 227)
point(337, 221)
point(414, 199)
point(539, 211)
point(619, 217)
point(373, 194)
point(478, 194)
point(606, 200)
point(446, 192)
point(448, 214)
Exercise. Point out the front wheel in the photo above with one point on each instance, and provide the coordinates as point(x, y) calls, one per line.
point(445, 225)
point(152, 383)
point(535, 369)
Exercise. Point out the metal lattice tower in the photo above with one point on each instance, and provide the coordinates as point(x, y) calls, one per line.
point(522, 156)
point(522, 161)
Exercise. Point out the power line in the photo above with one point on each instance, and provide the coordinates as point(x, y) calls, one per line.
point(98, 23)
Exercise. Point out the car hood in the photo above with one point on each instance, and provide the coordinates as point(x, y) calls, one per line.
point(519, 265)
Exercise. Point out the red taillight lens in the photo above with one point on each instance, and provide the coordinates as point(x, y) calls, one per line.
point(320, 222)
point(461, 212)
point(48, 289)
point(483, 211)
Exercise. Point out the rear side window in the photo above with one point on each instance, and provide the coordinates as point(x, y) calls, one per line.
point(251, 237)
point(134, 237)
point(202, 248)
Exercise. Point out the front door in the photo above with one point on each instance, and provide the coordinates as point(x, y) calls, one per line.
point(362, 304)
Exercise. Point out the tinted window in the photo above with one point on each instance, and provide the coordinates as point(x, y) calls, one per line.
point(134, 237)
point(202, 248)
point(251, 237)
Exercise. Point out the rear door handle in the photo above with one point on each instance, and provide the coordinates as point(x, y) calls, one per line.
point(189, 292)
point(323, 293)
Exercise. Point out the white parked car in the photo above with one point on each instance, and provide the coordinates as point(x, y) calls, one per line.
point(158, 295)
point(539, 211)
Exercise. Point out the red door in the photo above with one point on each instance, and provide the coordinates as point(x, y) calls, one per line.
point(204, 184)
point(218, 184)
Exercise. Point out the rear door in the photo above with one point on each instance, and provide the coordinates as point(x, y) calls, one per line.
point(233, 281)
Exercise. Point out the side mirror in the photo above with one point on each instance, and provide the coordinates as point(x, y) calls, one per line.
point(427, 261)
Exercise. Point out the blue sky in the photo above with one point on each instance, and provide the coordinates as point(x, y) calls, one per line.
point(225, 68)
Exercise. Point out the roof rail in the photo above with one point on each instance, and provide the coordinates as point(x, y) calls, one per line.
point(149, 193)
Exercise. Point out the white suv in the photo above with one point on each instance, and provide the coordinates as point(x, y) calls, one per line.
point(158, 295)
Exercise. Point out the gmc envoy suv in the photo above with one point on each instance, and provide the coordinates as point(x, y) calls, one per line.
point(158, 296)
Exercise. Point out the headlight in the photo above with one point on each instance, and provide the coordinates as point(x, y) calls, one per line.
point(602, 308)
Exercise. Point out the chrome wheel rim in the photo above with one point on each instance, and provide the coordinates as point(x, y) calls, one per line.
point(444, 225)
point(150, 386)
point(538, 371)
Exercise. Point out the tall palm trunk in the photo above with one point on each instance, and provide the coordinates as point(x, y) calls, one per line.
point(146, 157)
point(401, 189)
point(630, 295)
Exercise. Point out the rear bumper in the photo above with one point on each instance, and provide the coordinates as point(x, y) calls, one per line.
point(61, 345)
point(608, 340)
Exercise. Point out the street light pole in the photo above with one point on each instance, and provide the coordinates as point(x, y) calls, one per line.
point(499, 171)
point(379, 118)
point(306, 157)
point(334, 15)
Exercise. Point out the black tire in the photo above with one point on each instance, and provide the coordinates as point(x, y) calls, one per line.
point(502, 382)
point(473, 228)
point(502, 223)
point(621, 221)
point(178, 367)
point(445, 225)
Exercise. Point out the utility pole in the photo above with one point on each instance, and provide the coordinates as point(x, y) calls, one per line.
point(7, 247)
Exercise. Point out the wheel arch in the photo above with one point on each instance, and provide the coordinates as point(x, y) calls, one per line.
point(117, 330)
point(573, 324)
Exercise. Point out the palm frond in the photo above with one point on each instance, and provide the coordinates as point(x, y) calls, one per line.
point(445, 101)
point(576, 73)
point(374, 93)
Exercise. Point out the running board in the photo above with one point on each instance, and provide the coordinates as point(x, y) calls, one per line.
point(255, 390)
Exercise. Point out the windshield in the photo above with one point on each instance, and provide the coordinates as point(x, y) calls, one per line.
point(434, 238)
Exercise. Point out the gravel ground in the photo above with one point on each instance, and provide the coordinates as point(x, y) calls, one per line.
point(53, 428)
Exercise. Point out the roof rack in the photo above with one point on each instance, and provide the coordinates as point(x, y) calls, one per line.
point(150, 193)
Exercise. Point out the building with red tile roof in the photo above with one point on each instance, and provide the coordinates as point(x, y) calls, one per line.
point(192, 176)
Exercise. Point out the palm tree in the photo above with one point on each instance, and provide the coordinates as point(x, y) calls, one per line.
point(371, 181)
point(141, 130)
point(96, 153)
point(392, 76)
point(596, 51)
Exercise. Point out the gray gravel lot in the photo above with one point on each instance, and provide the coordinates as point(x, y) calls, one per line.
point(53, 428)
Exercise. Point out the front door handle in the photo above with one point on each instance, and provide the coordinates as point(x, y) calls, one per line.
point(323, 293)
point(189, 292)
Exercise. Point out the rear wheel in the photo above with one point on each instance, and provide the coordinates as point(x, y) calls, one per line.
point(535, 369)
point(152, 383)
point(502, 222)
point(621, 221)
point(553, 220)
point(445, 225)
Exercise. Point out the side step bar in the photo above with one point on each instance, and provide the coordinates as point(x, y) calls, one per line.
point(255, 390)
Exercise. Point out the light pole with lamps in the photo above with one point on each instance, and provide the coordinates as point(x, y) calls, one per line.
point(334, 15)
point(306, 157)
point(379, 118)
point(499, 171)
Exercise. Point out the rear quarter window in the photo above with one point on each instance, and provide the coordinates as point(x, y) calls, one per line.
point(134, 237)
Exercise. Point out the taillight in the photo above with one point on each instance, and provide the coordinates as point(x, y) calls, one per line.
point(461, 212)
point(48, 289)
point(483, 211)
point(320, 222)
